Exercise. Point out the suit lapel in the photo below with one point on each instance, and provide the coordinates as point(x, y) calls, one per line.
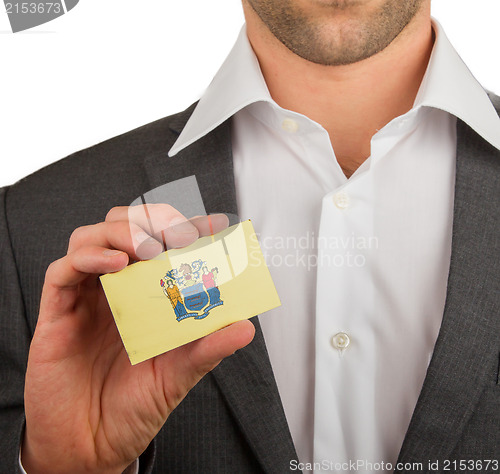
point(248, 385)
point(209, 159)
point(466, 348)
point(246, 379)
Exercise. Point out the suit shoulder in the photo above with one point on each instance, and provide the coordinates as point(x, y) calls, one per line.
point(495, 100)
point(91, 181)
point(123, 151)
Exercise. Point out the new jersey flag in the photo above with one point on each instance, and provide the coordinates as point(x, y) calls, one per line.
point(185, 294)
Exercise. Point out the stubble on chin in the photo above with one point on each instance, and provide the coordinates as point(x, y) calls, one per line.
point(346, 33)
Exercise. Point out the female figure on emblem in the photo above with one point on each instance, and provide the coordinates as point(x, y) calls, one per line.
point(175, 298)
point(211, 285)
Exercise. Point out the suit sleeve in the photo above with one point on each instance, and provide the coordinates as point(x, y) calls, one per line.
point(15, 339)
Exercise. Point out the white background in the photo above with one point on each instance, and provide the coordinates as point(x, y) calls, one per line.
point(109, 66)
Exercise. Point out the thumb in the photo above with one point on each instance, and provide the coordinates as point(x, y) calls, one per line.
point(182, 368)
point(207, 352)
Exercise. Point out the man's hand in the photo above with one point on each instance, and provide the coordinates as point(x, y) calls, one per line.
point(87, 408)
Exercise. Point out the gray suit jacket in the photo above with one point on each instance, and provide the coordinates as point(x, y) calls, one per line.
point(233, 420)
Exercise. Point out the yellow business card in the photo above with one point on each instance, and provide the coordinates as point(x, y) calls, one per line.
point(185, 294)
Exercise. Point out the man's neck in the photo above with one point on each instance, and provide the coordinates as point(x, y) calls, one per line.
point(351, 102)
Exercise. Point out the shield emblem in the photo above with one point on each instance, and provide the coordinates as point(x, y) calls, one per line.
point(195, 297)
point(192, 290)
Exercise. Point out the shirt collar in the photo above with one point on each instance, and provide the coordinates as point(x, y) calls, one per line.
point(447, 85)
point(238, 83)
point(450, 86)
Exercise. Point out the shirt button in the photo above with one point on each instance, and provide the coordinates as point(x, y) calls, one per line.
point(341, 200)
point(340, 340)
point(290, 125)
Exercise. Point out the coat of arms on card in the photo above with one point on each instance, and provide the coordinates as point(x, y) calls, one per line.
point(192, 289)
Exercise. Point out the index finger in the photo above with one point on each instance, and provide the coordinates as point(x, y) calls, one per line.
point(162, 221)
point(167, 224)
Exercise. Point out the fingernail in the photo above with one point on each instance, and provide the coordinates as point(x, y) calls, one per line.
point(142, 237)
point(111, 253)
point(180, 225)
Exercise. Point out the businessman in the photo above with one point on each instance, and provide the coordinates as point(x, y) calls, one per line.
point(351, 125)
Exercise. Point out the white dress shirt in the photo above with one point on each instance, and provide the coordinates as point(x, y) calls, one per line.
point(360, 264)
